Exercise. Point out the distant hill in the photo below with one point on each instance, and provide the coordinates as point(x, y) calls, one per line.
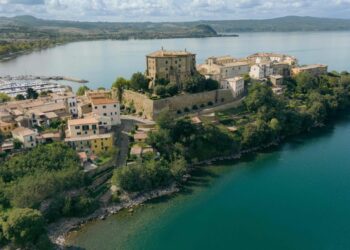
point(282, 24)
point(29, 27)
point(23, 34)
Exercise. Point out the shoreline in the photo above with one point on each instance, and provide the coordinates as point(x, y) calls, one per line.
point(59, 230)
point(14, 55)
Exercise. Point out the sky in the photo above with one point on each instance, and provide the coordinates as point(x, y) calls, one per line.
point(172, 10)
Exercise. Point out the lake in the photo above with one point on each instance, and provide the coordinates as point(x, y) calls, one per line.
point(101, 62)
point(293, 197)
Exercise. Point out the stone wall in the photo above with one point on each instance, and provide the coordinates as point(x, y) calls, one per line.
point(180, 104)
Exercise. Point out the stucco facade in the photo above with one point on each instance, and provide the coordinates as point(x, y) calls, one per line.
point(174, 66)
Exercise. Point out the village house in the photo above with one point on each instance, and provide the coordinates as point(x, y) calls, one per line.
point(91, 144)
point(107, 108)
point(260, 71)
point(312, 69)
point(84, 106)
point(84, 136)
point(48, 137)
point(140, 136)
point(26, 136)
point(82, 127)
point(174, 66)
point(283, 69)
point(7, 146)
point(274, 58)
point(220, 68)
point(276, 80)
point(236, 85)
point(69, 99)
point(7, 127)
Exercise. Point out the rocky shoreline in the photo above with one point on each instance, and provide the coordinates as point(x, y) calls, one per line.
point(58, 231)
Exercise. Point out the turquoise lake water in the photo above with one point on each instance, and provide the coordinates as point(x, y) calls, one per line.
point(296, 196)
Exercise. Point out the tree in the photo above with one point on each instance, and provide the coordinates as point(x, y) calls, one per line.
point(161, 81)
point(305, 82)
point(165, 120)
point(198, 83)
point(178, 168)
point(120, 84)
point(17, 144)
point(160, 90)
point(32, 94)
point(23, 226)
point(82, 89)
point(4, 97)
point(139, 81)
point(211, 84)
point(20, 97)
point(172, 89)
point(259, 95)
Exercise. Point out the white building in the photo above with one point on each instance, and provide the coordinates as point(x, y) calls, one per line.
point(261, 58)
point(236, 85)
point(69, 99)
point(260, 71)
point(220, 68)
point(26, 136)
point(106, 107)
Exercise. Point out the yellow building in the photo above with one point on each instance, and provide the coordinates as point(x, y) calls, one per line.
point(313, 69)
point(174, 66)
point(7, 127)
point(102, 143)
point(95, 144)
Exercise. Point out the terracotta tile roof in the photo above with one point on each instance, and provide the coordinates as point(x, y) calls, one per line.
point(22, 131)
point(100, 101)
point(88, 120)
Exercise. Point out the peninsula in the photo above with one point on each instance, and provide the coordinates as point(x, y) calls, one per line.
point(67, 158)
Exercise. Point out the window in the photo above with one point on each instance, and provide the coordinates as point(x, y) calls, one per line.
point(85, 127)
point(116, 113)
point(95, 107)
point(77, 127)
point(104, 106)
point(105, 114)
point(79, 133)
point(115, 105)
point(94, 126)
point(166, 62)
point(111, 113)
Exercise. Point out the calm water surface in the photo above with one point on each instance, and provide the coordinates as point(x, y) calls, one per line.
point(101, 62)
point(296, 197)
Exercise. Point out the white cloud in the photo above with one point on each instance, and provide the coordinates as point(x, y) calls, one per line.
point(156, 10)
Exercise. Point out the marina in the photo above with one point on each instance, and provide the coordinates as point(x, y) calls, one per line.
point(13, 86)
